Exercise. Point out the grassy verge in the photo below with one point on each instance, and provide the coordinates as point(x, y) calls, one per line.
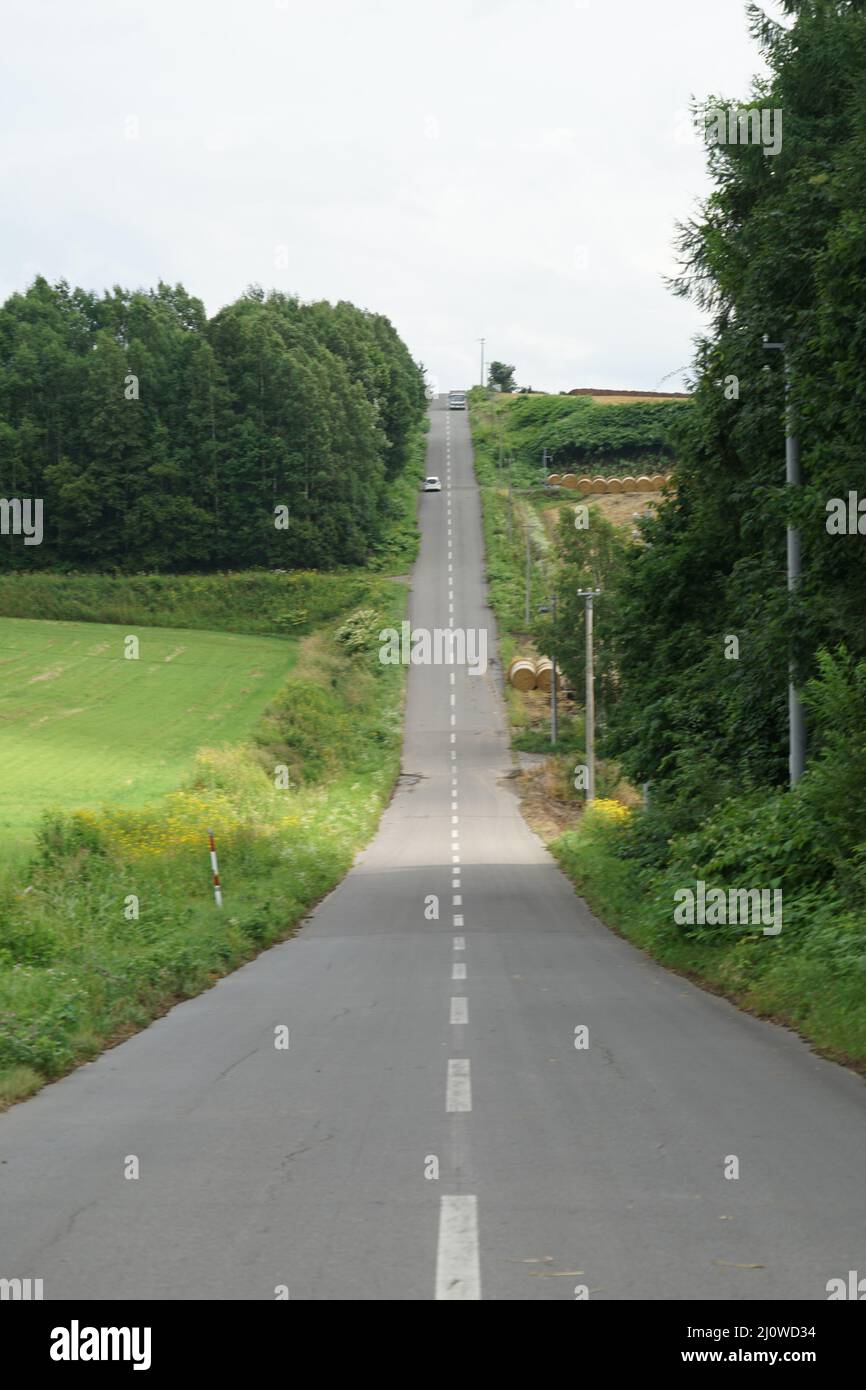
point(504, 546)
point(809, 977)
point(114, 920)
point(255, 602)
point(397, 551)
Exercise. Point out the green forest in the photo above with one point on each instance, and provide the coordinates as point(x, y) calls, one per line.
point(695, 626)
point(268, 435)
point(778, 249)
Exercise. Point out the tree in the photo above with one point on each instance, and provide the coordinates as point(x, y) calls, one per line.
point(591, 554)
point(501, 375)
point(778, 248)
point(160, 440)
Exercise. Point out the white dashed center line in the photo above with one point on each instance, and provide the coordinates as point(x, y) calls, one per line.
point(458, 1094)
point(458, 1274)
point(459, 1009)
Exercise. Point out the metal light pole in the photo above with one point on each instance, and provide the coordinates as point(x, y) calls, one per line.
point(793, 478)
point(588, 595)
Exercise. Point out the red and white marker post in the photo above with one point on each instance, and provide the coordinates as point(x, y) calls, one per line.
point(217, 889)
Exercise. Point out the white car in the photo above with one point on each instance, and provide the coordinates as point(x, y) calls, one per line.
point(432, 485)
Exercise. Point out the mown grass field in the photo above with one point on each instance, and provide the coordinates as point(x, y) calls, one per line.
point(81, 725)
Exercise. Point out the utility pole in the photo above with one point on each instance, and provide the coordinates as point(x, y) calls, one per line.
point(793, 478)
point(551, 608)
point(553, 710)
point(481, 341)
point(588, 595)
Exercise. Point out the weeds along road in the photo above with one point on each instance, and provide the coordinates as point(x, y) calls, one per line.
point(450, 1042)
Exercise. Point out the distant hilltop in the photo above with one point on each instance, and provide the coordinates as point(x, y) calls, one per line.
point(609, 392)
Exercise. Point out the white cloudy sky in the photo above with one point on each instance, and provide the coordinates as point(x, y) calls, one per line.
point(505, 168)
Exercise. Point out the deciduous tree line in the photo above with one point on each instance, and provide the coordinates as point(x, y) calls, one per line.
point(160, 439)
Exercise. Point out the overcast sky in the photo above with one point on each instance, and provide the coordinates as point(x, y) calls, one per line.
point(505, 168)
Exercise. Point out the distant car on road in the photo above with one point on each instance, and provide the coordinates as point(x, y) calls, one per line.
point(456, 400)
point(432, 485)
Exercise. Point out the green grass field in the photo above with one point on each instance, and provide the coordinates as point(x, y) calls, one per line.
point(81, 725)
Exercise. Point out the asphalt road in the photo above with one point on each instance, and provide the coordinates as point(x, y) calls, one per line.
point(420, 1046)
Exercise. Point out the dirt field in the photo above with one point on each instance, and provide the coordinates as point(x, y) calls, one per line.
point(618, 507)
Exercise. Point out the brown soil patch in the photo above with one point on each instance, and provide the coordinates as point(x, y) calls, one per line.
point(543, 809)
point(618, 507)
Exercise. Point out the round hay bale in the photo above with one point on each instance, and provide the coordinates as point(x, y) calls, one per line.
point(522, 674)
point(554, 480)
point(658, 480)
point(519, 660)
point(584, 485)
point(614, 484)
point(644, 483)
point(629, 484)
point(569, 480)
point(544, 673)
point(599, 484)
